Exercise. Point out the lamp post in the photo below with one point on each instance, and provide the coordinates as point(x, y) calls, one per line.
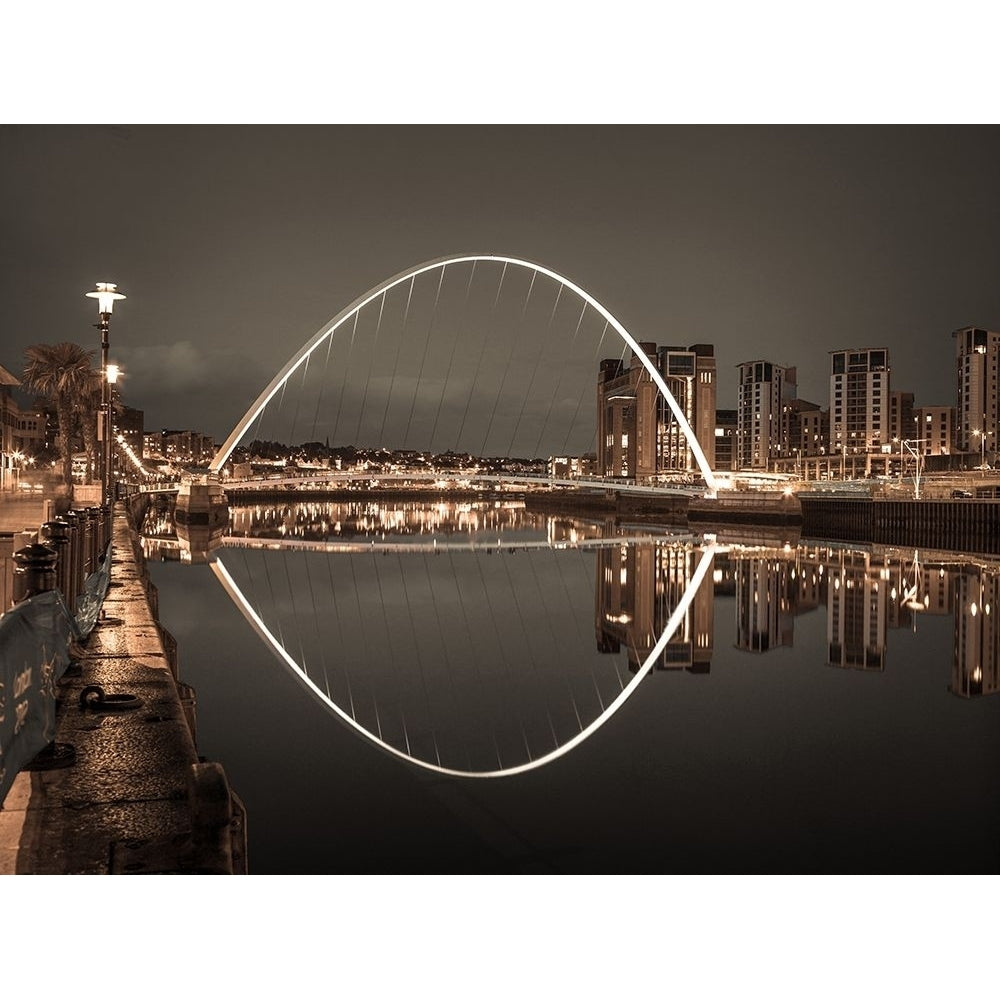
point(982, 435)
point(112, 373)
point(106, 293)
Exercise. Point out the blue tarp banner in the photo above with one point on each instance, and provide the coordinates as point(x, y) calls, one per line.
point(88, 603)
point(34, 654)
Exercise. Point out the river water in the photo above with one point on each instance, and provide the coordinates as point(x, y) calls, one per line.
point(474, 687)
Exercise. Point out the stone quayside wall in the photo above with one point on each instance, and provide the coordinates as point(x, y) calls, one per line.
point(951, 525)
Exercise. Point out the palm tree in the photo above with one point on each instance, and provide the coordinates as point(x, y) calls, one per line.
point(62, 373)
point(90, 406)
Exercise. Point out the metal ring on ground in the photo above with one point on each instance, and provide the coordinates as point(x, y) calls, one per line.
point(94, 697)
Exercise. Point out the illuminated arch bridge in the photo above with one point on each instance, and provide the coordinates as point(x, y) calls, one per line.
point(478, 354)
point(467, 357)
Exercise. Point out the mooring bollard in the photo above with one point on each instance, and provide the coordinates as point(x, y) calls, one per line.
point(80, 548)
point(106, 514)
point(95, 515)
point(75, 558)
point(34, 571)
point(86, 561)
point(56, 534)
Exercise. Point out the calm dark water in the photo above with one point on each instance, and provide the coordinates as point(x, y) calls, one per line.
point(816, 709)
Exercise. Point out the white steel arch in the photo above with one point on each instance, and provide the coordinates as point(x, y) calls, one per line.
point(239, 599)
point(328, 330)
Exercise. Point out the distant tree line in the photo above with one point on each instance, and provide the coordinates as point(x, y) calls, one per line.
point(319, 453)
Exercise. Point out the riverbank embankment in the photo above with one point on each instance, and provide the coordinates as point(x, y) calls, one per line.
point(136, 799)
point(961, 525)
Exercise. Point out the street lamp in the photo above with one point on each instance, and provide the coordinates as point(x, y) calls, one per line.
point(106, 293)
point(982, 435)
point(112, 373)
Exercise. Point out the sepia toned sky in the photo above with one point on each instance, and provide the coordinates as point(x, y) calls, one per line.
point(234, 244)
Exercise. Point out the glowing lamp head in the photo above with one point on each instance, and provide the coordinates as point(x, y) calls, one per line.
point(112, 372)
point(106, 293)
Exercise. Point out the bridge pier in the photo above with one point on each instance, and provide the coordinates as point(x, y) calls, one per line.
point(201, 515)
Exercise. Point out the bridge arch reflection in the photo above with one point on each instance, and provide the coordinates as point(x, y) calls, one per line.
point(375, 735)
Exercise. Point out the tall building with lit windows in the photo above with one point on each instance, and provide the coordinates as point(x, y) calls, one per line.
point(725, 440)
point(902, 425)
point(936, 429)
point(802, 429)
point(976, 355)
point(129, 423)
point(859, 400)
point(177, 446)
point(638, 435)
point(765, 390)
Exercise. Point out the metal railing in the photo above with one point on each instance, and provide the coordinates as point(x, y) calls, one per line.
point(52, 583)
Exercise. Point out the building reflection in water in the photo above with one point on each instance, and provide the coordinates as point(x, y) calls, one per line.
point(866, 593)
point(763, 608)
point(321, 521)
point(976, 668)
point(857, 611)
point(637, 589)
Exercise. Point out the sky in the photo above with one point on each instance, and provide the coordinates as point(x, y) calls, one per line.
point(235, 244)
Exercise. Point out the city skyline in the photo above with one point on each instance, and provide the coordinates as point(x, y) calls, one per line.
point(774, 243)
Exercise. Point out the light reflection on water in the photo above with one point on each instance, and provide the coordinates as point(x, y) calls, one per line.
point(491, 657)
point(327, 521)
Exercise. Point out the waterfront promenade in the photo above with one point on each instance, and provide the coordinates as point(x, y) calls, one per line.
point(137, 799)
